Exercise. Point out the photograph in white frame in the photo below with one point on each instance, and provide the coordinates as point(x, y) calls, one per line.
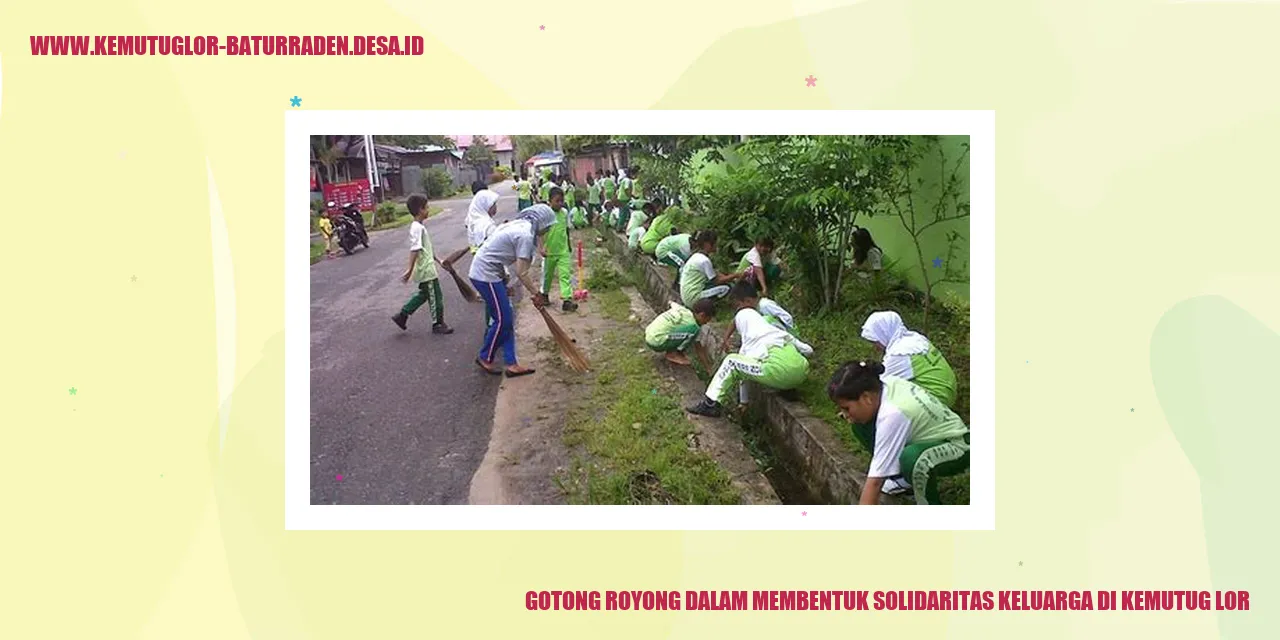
point(979, 126)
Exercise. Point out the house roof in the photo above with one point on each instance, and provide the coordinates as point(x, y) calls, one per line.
point(497, 143)
point(545, 156)
point(398, 150)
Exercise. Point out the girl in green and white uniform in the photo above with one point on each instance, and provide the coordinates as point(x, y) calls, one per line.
point(910, 356)
point(916, 436)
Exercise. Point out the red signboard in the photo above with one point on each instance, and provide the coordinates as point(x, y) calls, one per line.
point(356, 191)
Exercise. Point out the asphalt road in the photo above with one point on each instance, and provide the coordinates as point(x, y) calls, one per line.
point(403, 416)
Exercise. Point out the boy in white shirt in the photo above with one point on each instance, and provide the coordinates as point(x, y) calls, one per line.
point(422, 270)
point(769, 356)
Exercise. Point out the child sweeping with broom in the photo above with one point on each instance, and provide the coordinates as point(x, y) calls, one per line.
point(513, 243)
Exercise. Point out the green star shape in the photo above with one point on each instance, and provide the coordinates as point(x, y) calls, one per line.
point(72, 391)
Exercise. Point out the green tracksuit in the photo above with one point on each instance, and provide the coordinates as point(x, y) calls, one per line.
point(559, 260)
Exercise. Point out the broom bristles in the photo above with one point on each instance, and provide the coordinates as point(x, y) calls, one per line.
point(577, 361)
point(468, 292)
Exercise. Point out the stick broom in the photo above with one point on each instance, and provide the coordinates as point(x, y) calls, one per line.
point(468, 292)
point(577, 361)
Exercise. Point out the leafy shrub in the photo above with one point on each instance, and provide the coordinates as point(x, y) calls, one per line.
point(385, 213)
point(437, 183)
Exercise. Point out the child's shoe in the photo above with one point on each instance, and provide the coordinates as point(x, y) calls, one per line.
point(441, 328)
point(569, 305)
point(706, 407)
point(400, 319)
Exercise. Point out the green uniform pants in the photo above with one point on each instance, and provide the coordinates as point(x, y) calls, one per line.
point(678, 339)
point(428, 291)
point(783, 368)
point(925, 462)
point(558, 266)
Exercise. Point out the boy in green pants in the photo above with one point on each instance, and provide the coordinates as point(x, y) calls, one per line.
point(524, 191)
point(558, 260)
point(422, 270)
point(593, 197)
point(676, 329)
point(769, 356)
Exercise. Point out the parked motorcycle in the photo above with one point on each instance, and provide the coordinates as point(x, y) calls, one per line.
point(349, 235)
point(352, 213)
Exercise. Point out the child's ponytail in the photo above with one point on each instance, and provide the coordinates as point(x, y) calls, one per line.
point(854, 378)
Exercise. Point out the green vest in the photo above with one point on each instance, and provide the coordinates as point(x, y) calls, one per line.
point(930, 420)
point(659, 229)
point(932, 372)
point(558, 235)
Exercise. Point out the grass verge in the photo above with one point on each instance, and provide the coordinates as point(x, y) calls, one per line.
point(631, 441)
point(317, 252)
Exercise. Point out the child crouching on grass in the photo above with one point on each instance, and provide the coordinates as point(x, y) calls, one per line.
point(422, 270)
point(769, 356)
point(745, 296)
point(761, 266)
point(698, 277)
point(676, 329)
point(917, 439)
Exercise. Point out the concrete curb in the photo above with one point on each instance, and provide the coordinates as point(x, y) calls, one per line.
point(807, 446)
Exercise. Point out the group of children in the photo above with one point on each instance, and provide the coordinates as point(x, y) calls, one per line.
point(899, 408)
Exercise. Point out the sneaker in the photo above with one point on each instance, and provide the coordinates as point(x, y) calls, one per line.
point(706, 407)
point(895, 486)
point(441, 328)
point(400, 319)
point(569, 305)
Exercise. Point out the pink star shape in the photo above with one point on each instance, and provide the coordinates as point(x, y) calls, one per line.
point(339, 477)
point(804, 513)
point(810, 81)
point(542, 27)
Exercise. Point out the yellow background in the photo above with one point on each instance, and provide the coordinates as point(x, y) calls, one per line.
point(1136, 162)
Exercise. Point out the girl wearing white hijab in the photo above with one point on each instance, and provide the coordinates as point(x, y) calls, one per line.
point(910, 356)
point(480, 224)
point(512, 244)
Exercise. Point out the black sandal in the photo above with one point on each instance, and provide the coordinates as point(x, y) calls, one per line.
point(487, 369)
point(517, 375)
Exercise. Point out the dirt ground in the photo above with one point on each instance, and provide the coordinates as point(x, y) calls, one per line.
point(527, 453)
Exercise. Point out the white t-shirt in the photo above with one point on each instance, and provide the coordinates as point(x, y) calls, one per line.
point(770, 308)
point(873, 258)
point(753, 258)
point(509, 242)
point(758, 336)
point(694, 276)
point(478, 229)
point(893, 429)
point(898, 366)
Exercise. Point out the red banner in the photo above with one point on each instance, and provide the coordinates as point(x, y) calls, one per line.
point(356, 191)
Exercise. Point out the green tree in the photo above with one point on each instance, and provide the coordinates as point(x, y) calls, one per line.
point(436, 182)
point(665, 161)
point(480, 156)
point(807, 193)
point(906, 196)
point(529, 146)
point(574, 145)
